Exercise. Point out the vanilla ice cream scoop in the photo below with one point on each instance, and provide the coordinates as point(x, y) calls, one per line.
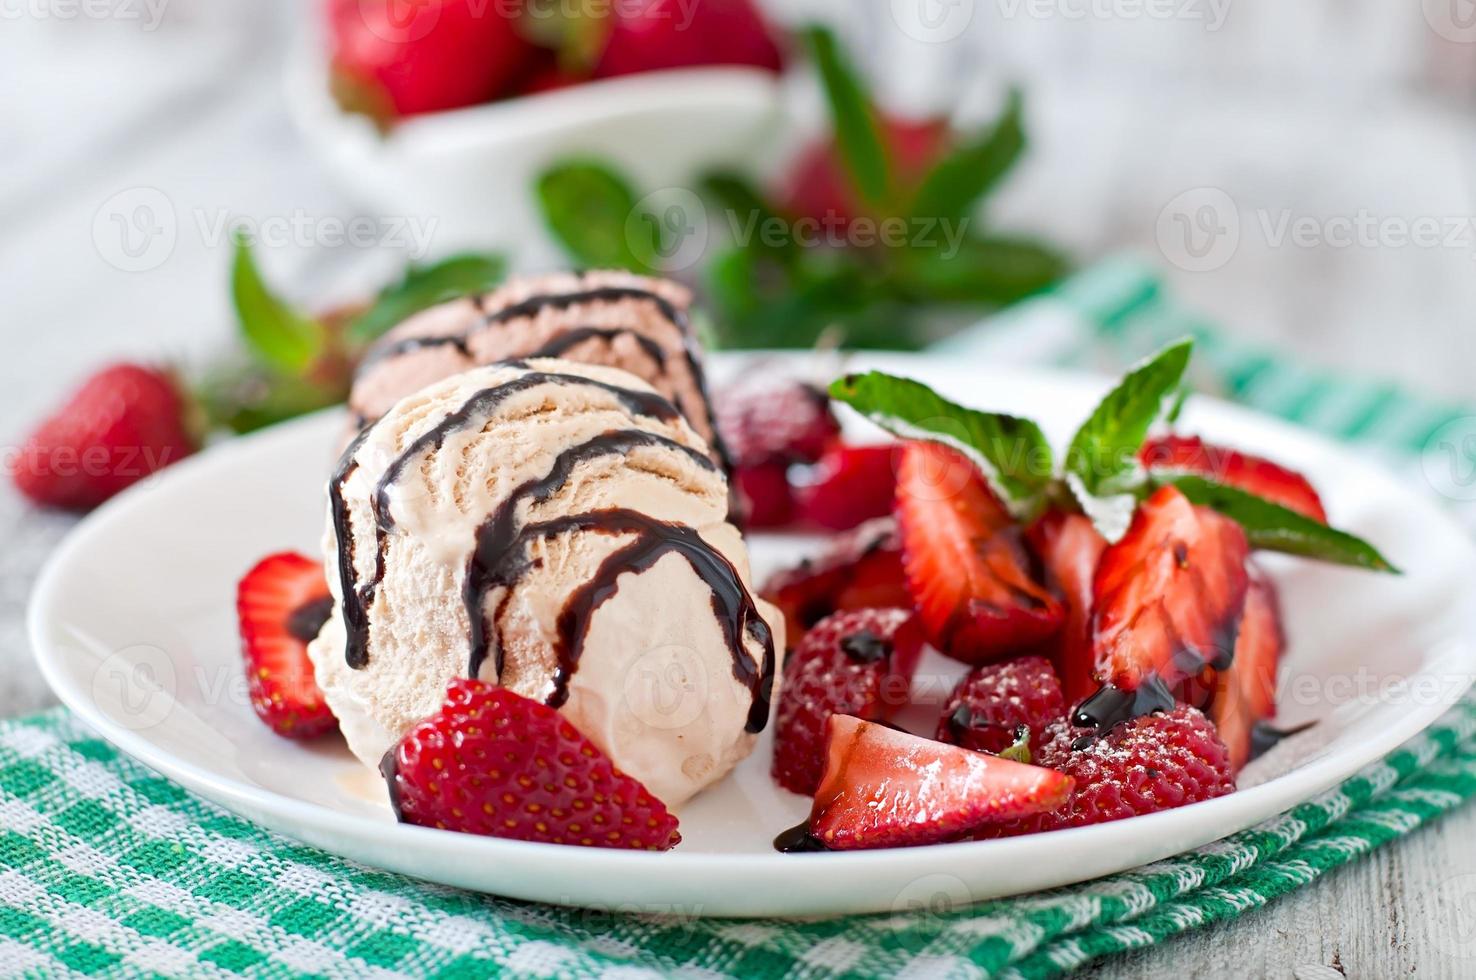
point(559, 529)
point(616, 318)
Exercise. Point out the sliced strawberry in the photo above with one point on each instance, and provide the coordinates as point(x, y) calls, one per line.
point(281, 605)
point(1070, 547)
point(992, 703)
point(861, 569)
point(965, 562)
point(857, 663)
point(1167, 603)
point(492, 762)
point(1250, 473)
point(885, 788)
point(849, 486)
point(1246, 693)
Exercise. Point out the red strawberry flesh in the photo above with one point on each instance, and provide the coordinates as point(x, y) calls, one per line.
point(849, 486)
point(1245, 695)
point(494, 763)
point(964, 561)
point(861, 569)
point(1242, 470)
point(1167, 603)
point(1070, 547)
point(885, 788)
point(281, 604)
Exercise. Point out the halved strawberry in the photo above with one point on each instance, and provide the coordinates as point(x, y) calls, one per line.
point(1250, 473)
point(965, 562)
point(281, 605)
point(496, 763)
point(861, 569)
point(1167, 603)
point(858, 662)
point(1246, 693)
point(886, 788)
point(1070, 547)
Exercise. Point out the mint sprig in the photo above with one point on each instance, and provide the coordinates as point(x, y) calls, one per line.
point(1011, 452)
point(963, 177)
point(592, 210)
point(1101, 476)
point(277, 334)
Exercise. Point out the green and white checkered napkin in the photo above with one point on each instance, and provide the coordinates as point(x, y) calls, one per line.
point(106, 869)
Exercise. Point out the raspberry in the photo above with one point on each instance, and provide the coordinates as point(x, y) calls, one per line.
point(854, 663)
point(495, 763)
point(992, 701)
point(1156, 762)
point(764, 421)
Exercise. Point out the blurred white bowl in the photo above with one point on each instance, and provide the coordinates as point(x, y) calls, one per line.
point(472, 170)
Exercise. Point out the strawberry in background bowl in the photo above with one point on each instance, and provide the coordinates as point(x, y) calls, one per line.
point(448, 110)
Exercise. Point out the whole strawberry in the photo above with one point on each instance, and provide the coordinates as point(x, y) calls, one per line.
point(992, 702)
point(857, 663)
point(398, 59)
point(125, 423)
point(1156, 762)
point(495, 763)
point(649, 35)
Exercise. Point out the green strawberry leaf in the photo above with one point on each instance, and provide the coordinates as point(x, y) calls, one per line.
point(854, 119)
point(593, 212)
point(1019, 749)
point(278, 335)
point(993, 270)
point(1012, 452)
point(424, 286)
point(1272, 527)
point(1104, 453)
point(965, 176)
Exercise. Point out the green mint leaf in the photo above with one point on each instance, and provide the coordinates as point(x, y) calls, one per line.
point(280, 337)
point(424, 286)
point(1019, 749)
point(963, 177)
point(1272, 527)
point(1012, 452)
point(852, 115)
point(1104, 453)
point(992, 270)
point(593, 212)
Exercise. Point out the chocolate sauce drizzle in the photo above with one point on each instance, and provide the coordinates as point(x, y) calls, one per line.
point(495, 565)
point(499, 555)
point(532, 306)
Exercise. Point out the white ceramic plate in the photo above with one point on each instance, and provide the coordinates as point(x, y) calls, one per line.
point(133, 626)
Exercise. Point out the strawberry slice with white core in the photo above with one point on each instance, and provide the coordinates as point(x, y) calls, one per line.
point(964, 560)
point(886, 788)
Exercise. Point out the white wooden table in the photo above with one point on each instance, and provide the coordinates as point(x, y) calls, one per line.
point(193, 110)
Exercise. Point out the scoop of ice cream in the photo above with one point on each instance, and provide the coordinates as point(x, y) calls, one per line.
point(615, 318)
point(560, 529)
